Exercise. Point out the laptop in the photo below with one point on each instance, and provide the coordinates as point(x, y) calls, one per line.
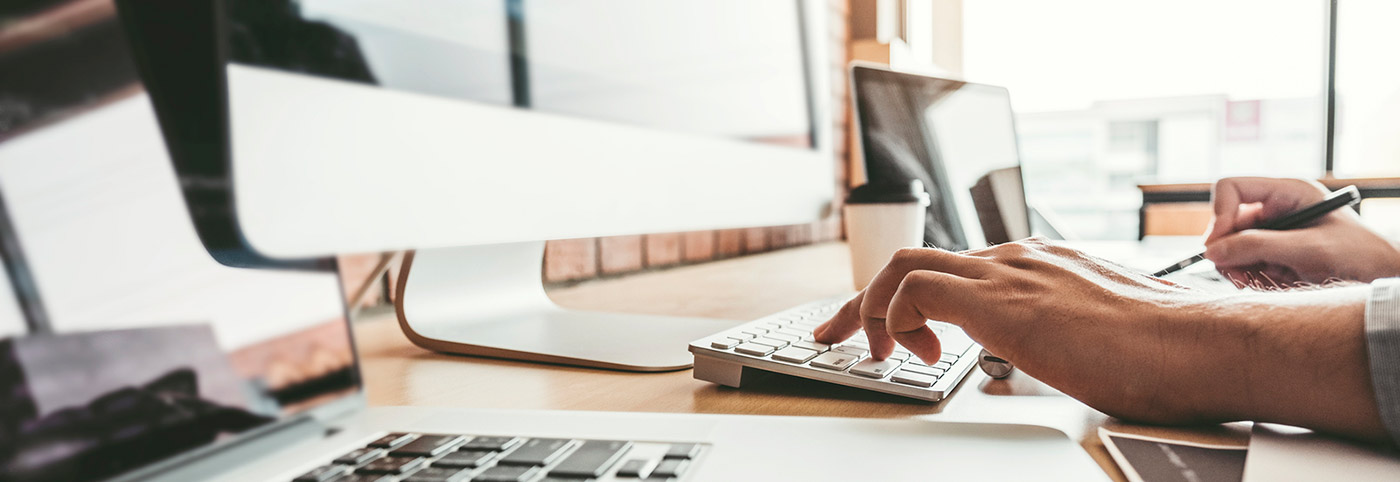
point(133, 347)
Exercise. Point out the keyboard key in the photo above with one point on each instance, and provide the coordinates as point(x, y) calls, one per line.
point(366, 478)
point(812, 345)
point(632, 469)
point(912, 378)
point(770, 342)
point(954, 342)
point(592, 459)
point(794, 354)
point(669, 468)
point(784, 338)
point(360, 456)
point(949, 357)
point(923, 370)
point(900, 356)
point(755, 331)
point(392, 465)
point(508, 473)
point(683, 451)
point(440, 474)
point(741, 336)
point(429, 446)
point(875, 369)
point(726, 343)
point(539, 451)
point(465, 458)
point(754, 349)
point(857, 344)
point(850, 350)
point(324, 473)
point(393, 440)
point(491, 444)
point(833, 360)
point(942, 365)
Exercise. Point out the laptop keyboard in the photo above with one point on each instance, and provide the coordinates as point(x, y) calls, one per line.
point(783, 343)
point(412, 457)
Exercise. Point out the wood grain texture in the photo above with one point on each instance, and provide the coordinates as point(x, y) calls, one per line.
point(398, 373)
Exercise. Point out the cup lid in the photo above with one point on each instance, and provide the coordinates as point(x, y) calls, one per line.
point(889, 193)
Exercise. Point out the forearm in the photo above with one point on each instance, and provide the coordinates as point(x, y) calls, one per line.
point(1306, 360)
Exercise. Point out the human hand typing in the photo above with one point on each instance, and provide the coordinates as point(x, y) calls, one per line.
point(1071, 320)
point(1128, 344)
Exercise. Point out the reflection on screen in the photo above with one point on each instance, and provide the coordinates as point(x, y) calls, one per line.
point(154, 348)
point(946, 133)
point(730, 68)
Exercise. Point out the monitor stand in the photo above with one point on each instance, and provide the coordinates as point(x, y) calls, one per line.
point(489, 301)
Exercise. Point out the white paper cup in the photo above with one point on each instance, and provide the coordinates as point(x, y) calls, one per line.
point(881, 222)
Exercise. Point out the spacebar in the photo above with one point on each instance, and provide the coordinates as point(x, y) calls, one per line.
point(592, 459)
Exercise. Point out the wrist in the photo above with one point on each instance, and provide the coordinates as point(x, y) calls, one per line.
point(1217, 380)
point(1305, 360)
point(1393, 265)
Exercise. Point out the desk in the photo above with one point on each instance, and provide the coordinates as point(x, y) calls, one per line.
point(398, 373)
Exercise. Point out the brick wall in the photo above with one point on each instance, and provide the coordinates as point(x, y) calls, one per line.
point(573, 260)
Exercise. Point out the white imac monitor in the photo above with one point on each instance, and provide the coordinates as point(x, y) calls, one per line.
point(472, 131)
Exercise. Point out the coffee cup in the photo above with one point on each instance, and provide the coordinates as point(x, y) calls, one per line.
point(880, 219)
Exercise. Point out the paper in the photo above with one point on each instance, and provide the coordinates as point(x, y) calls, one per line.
point(1151, 459)
point(1281, 452)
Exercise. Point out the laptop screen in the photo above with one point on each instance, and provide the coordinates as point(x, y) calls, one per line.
point(145, 347)
point(947, 133)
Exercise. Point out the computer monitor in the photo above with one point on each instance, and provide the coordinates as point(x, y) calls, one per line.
point(481, 129)
point(124, 346)
point(958, 138)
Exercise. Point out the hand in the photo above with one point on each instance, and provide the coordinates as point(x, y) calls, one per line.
point(1130, 345)
point(1337, 246)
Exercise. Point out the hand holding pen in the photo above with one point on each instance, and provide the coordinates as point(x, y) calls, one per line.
point(1280, 230)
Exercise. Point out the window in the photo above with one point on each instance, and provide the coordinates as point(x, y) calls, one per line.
point(1367, 142)
point(1110, 94)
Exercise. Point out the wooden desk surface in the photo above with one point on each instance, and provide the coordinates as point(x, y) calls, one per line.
point(398, 373)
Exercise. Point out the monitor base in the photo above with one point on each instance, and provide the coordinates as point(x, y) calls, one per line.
point(489, 301)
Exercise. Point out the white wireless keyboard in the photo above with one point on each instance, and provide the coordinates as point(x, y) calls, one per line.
point(783, 343)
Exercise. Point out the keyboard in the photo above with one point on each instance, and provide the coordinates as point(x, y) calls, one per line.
point(783, 343)
point(413, 457)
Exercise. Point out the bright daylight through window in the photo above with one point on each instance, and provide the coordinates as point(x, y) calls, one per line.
point(1110, 94)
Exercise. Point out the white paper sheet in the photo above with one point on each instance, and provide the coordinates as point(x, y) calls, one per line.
point(1281, 452)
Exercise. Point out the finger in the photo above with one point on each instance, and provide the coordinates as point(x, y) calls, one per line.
point(1275, 196)
point(925, 295)
point(1225, 203)
point(842, 325)
point(1259, 246)
point(882, 287)
point(881, 344)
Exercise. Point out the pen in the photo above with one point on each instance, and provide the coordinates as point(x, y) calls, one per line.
point(1346, 196)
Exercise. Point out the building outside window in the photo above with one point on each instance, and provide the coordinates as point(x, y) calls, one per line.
point(1110, 94)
